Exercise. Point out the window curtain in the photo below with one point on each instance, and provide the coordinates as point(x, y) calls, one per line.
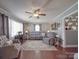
point(1, 25)
point(15, 27)
point(4, 27)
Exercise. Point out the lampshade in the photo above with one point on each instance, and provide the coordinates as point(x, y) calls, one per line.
point(35, 15)
point(48, 31)
point(26, 31)
point(57, 36)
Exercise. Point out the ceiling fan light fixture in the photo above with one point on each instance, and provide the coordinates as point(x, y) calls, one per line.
point(35, 15)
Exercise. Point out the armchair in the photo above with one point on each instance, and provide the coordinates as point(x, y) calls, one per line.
point(7, 49)
point(49, 35)
point(8, 52)
point(4, 41)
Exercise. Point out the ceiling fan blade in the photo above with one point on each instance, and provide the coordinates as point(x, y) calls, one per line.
point(42, 14)
point(28, 12)
point(30, 16)
point(37, 10)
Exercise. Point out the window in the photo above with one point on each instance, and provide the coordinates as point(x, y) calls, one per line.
point(15, 27)
point(37, 27)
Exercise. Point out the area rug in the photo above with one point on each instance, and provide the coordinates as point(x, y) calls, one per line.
point(36, 45)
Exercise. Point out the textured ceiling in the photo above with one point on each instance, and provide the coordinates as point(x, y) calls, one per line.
point(51, 7)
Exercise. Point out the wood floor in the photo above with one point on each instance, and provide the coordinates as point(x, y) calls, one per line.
point(62, 53)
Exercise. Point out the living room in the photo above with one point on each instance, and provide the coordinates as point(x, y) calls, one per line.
point(39, 29)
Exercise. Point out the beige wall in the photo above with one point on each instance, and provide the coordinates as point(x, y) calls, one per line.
point(45, 27)
point(30, 27)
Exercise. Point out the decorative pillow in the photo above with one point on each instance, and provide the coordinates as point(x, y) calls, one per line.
point(4, 38)
point(9, 42)
point(51, 34)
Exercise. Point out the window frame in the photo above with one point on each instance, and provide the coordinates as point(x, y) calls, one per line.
point(35, 27)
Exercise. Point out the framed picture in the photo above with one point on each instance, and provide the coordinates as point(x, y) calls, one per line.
point(55, 26)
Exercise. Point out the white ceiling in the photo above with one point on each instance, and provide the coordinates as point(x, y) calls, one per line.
point(52, 8)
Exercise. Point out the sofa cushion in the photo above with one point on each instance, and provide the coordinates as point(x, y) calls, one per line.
point(4, 38)
point(51, 34)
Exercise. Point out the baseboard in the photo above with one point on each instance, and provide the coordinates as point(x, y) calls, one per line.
point(71, 46)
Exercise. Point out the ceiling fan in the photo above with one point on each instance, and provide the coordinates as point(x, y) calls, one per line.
point(36, 13)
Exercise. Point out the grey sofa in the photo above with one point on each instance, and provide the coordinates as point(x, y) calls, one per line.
point(35, 35)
